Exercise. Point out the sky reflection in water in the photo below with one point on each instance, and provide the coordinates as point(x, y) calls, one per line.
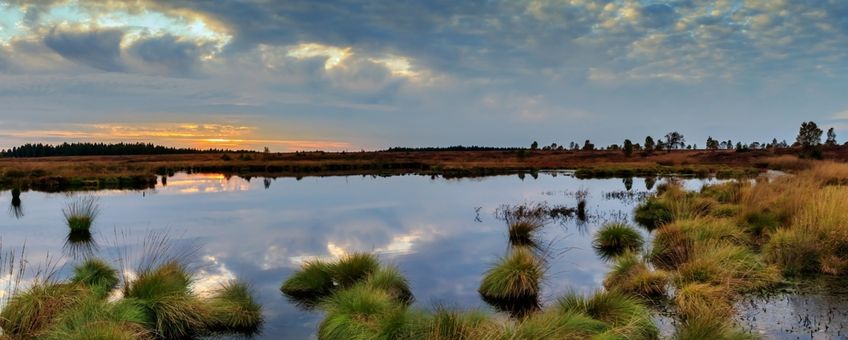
point(429, 228)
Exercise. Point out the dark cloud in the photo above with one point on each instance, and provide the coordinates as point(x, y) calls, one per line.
point(169, 55)
point(100, 49)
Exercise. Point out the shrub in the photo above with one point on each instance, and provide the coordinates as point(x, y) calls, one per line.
point(615, 239)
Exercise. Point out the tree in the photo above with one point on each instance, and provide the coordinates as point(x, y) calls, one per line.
point(675, 140)
point(712, 144)
point(831, 137)
point(588, 146)
point(628, 147)
point(534, 146)
point(649, 144)
point(809, 136)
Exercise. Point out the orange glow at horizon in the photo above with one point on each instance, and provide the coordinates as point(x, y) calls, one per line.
point(195, 135)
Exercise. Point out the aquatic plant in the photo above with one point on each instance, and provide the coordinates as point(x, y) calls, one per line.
point(361, 312)
point(390, 280)
point(555, 325)
point(96, 275)
point(80, 214)
point(710, 327)
point(166, 298)
point(631, 275)
point(695, 300)
point(721, 263)
point(796, 251)
point(521, 230)
point(233, 309)
point(27, 314)
point(513, 284)
point(625, 314)
point(614, 239)
point(353, 268)
point(652, 214)
point(312, 282)
point(80, 244)
point(94, 318)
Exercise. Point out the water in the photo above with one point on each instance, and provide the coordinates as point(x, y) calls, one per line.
point(441, 233)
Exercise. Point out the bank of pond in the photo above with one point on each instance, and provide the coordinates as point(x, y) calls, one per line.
point(680, 271)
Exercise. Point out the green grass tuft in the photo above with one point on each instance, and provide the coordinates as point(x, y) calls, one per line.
point(353, 268)
point(361, 312)
point(521, 230)
point(652, 214)
point(311, 283)
point(80, 214)
point(166, 298)
point(28, 314)
point(234, 310)
point(390, 280)
point(97, 319)
point(513, 284)
point(97, 275)
point(614, 239)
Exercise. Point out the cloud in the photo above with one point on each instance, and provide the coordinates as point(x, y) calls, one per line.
point(100, 49)
point(169, 55)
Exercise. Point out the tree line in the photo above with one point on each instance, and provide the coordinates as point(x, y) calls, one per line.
point(808, 141)
point(98, 149)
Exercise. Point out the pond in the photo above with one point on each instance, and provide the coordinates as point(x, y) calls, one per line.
point(442, 234)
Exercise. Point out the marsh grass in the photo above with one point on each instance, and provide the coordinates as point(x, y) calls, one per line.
point(522, 230)
point(614, 239)
point(233, 309)
point(631, 275)
point(555, 325)
point(80, 213)
point(709, 327)
point(97, 275)
point(513, 284)
point(459, 325)
point(361, 312)
point(721, 263)
point(625, 314)
point(390, 280)
point(93, 318)
point(165, 295)
point(311, 283)
point(703, 300)
point(353, 268)
point(652, 214)
point(28, 313)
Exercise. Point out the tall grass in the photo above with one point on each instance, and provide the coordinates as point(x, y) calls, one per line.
point(29, 313)
point(625, 314)
point(631, 275)
point(311, 283)
point(614, 239)
point(233, 309)
point(514, 283)
point(353, 268)
point(96, 275)
point(80, 213)
point(522, 230)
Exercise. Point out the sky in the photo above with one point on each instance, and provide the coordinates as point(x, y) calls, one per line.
point(356, 74)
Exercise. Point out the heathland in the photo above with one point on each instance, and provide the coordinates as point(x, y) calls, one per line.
point(140, 171)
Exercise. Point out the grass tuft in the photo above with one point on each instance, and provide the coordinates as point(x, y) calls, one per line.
point(353, 268)
point(97, 275)
point(311, 283)
point(28, 314)
point(614, 239)
point(234, 310)
point(513, 284)
point(652, 214)
point(390, 280)
point(80, 214)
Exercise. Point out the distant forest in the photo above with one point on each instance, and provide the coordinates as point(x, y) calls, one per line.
point(99, 149)
point(454, 148)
